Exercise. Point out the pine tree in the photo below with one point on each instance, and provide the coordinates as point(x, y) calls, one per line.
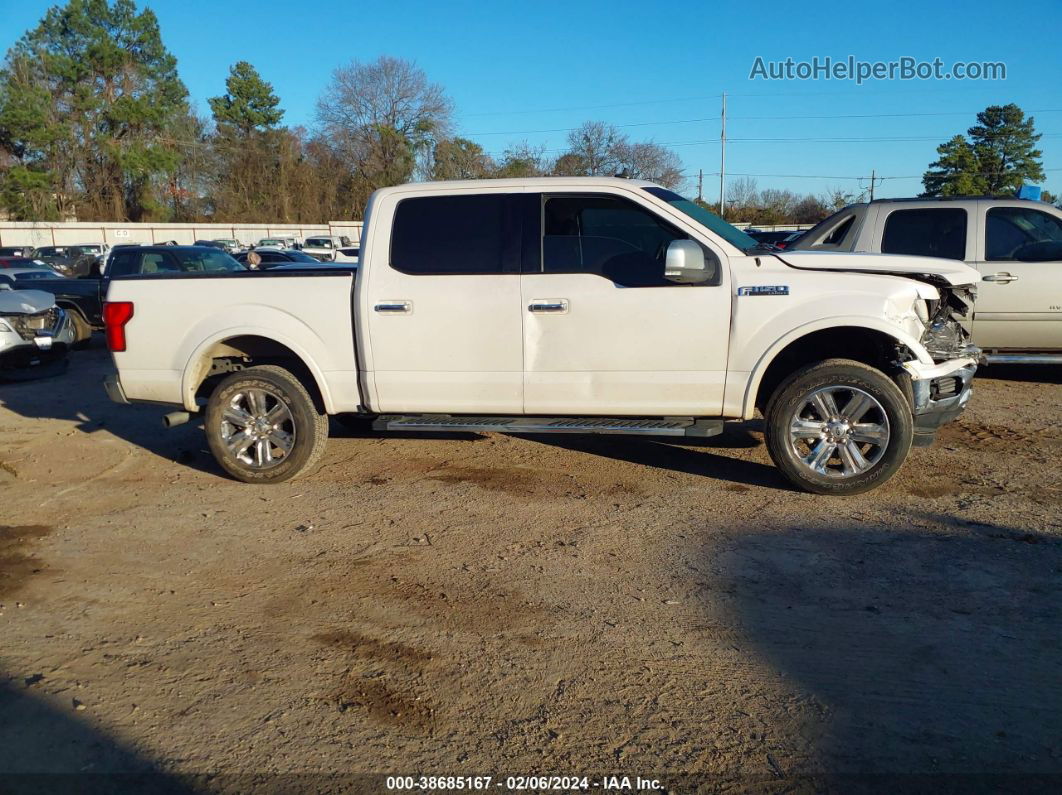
point(249, 103)
point(999, 156)
point(955, 172)
point(1004, 142)
point(86, 100)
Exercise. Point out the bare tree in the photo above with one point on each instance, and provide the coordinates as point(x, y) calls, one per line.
point(595, 145)
point(381, 117)
point(650, 161)
point(524, 160)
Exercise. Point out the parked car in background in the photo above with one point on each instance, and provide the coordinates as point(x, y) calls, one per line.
point(82, 298)
point(34, 332)
point(16, 251)
point(231, 245)
point(22, 262)
point(324, 248)
point(772, 237)
point(557, 305)
point(271, 257)
point(278, 242)
point(351, 254)
point(1015, 244)
point(70, 260)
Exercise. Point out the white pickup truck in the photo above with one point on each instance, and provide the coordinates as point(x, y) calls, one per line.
point(560, 305)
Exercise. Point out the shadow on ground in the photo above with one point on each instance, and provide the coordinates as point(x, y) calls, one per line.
point(78, 397)
point(687, 456)
point(932, 651)
point(47, 750)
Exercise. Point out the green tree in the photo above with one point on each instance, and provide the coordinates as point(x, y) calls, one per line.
point(112, 95)
point(956, 172)
point(460, 158)
point(1004, 142)
point(252, 159)
point(997, 158)
point(249, 103)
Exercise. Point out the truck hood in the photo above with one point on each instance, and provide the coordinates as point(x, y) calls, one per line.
point(25, 302)
point(927, 269)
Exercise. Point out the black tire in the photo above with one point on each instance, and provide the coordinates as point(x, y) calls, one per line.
point(793, 401)
point(82, 329)
point(307, 427)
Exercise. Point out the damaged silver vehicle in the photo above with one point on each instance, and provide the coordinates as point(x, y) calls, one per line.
point(35, 334)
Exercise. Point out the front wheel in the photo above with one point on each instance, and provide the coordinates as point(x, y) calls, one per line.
point(838, 427)
point(263, 427)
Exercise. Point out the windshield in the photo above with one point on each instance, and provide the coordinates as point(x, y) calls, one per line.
point(706, 218)
point(319, 242)
point(29, 275)
point(298, 256)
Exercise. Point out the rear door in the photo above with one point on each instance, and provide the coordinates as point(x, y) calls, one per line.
point(604, 332)
point(1019, 300)
point(442, 305)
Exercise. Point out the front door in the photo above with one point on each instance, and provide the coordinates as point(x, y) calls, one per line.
point(1019, 299)
point(604, 332)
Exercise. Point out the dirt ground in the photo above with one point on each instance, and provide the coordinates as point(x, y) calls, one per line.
point(486, 604)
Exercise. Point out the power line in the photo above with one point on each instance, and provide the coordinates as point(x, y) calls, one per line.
point(862, 92)
point(570, 129)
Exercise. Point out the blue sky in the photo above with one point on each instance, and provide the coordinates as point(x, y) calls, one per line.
point(516, 70)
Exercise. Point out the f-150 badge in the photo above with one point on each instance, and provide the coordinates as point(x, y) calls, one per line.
point(765, 289)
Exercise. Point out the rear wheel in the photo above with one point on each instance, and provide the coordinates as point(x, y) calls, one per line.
point(82, 329)
point(263, 427)
point(838, 427)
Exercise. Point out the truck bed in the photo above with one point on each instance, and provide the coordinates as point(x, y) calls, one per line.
point(182, 321)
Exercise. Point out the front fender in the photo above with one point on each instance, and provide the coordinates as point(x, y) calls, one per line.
point(841, 321)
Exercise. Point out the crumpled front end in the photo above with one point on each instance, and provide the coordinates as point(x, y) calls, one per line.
point(940, 392)
point(30, 339)
point(945, 336)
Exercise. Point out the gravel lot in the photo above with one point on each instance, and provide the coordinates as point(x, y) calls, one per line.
point(485, 604)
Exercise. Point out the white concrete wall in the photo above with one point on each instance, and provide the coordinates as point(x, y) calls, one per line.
point(25, 233)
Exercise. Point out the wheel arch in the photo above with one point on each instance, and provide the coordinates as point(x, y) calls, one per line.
point(247, 347)
point(849, 338)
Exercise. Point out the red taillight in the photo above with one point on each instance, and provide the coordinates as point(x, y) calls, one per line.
point(115, 315)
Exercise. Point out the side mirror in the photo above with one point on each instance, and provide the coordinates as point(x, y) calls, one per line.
point(685, 264)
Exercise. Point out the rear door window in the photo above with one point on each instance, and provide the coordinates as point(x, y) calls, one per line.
point(437, 235)
point(927, 232)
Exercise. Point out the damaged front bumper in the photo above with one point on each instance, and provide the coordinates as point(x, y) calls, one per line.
point(939, 393)
point(33, 340)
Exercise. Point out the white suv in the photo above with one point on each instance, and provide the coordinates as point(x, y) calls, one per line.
point(325, 248)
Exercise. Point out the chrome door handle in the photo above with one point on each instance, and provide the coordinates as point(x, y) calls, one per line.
point(553, 305)
point(999, 277)
point(394, 306)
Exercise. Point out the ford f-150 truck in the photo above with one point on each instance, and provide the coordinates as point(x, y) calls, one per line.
point(558, 305)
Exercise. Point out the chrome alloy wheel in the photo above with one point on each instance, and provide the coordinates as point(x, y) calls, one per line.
point(839, 431)
point(257, 428)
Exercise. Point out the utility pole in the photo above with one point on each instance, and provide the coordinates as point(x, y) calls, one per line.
point(722, 161)
point(873, 173)
point(700, 184)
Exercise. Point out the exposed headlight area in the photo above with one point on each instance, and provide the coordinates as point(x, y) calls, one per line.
point(945, 337)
